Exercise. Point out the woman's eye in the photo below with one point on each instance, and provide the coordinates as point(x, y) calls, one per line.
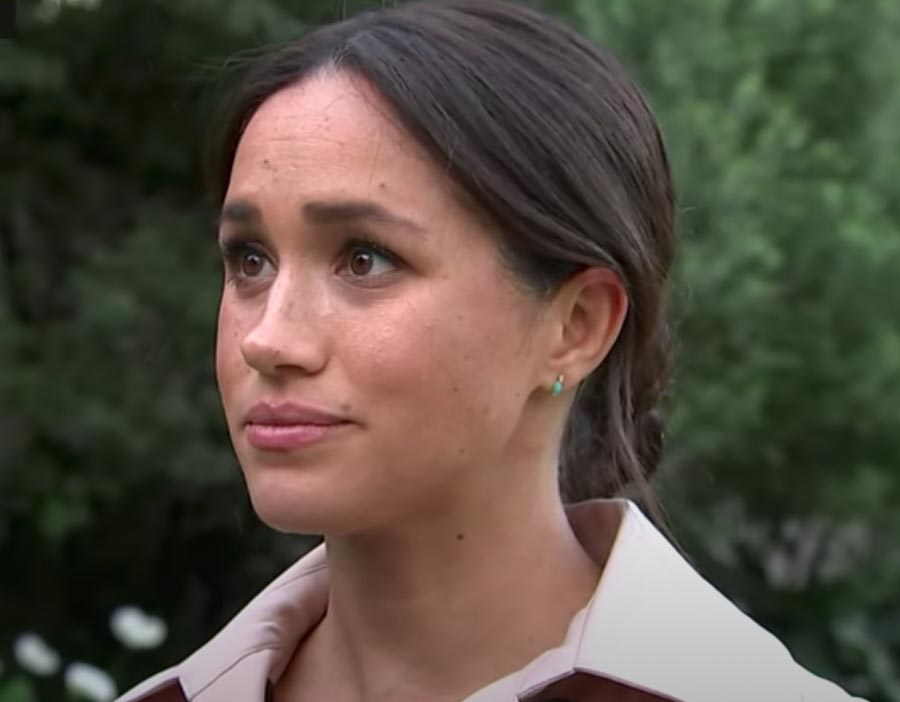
point(243, 262)
point(362, 260)
point(251, 264)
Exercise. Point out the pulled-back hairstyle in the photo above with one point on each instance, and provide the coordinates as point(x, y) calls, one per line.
point(548, 139)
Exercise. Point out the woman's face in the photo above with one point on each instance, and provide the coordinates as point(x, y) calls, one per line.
point(424, 351)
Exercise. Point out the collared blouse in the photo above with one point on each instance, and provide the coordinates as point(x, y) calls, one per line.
point(654, 629)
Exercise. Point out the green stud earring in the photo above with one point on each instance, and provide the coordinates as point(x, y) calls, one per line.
point(558, 385)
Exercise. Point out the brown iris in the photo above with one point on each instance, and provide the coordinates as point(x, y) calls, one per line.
point(365, 258)
point(251, 264)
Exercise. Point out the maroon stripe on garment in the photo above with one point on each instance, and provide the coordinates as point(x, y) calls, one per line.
point(169, 691)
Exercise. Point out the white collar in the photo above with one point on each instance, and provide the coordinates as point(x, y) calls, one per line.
point(653, 624)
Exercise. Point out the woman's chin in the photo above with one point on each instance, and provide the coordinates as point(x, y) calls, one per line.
point(309, 509)
point(285, 513)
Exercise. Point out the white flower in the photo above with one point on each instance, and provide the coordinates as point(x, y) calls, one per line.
point(88, 681)
point(34, 655)
point(136, 629)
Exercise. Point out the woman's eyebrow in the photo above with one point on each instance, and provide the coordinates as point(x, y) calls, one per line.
point(341, 211)
point(322, 212)
point(239, 212)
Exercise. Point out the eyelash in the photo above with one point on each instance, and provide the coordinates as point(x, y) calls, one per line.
point(232, 248)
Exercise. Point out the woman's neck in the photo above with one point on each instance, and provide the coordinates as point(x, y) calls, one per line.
point(452, 603)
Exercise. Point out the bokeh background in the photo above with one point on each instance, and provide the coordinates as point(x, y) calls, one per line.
point(126, 536)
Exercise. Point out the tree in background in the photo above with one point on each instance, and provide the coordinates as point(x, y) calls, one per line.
point(117, 481)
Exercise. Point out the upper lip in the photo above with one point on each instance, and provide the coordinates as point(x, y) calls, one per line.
point(289, 413)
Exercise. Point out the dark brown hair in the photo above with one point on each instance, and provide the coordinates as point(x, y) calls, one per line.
point(550, 140)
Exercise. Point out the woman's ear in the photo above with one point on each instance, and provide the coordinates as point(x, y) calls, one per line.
point(587, 316)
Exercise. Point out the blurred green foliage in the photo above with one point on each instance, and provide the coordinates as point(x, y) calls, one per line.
point(117, 482)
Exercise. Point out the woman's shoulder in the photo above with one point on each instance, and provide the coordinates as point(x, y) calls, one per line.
point(253, 647)
point(656, 624)
point(654, 628)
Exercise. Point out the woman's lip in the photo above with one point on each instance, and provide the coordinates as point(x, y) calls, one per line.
point(291, 412)
point(284, 437)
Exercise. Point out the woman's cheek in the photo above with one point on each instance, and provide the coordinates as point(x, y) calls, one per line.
point(228, 359)
point(434, 360)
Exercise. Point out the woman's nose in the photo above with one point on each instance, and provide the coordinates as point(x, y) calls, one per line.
point(285, 335)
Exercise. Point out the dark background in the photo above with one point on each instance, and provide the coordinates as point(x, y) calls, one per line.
point(117, 481)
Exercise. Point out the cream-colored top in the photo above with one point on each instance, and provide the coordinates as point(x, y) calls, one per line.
point(654, 629)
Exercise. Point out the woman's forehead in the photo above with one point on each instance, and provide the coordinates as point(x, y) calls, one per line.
point(333, 116)
point(332, 133)
point(332, 137)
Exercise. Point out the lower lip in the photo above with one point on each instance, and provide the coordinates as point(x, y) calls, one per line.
point(274, 437)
